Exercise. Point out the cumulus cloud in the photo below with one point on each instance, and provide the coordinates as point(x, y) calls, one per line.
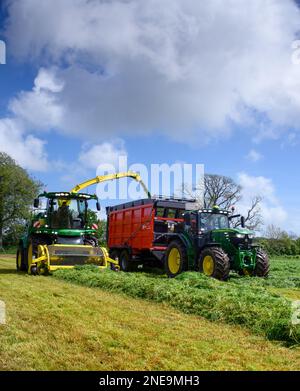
point(105, 153)
point(39, 108)
point(254, 156)
point(271, 209)
point(188, 68)
point(26, 149)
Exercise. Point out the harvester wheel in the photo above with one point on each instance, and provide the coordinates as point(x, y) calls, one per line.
point(29, 256)
point(20, 259)
point(214, 262)
point(34, 270)
point(125, 261)
point(175, 259)
point(114, 255)
point(262, 264)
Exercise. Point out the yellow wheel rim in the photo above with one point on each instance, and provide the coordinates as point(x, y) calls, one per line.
point(208, 265)
point(19, 259)
point(174, 260)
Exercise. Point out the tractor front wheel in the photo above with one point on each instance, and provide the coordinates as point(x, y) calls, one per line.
point(176, 258)
point(214, 262)
point(262, 264)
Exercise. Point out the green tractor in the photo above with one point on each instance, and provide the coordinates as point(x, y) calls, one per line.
point(60, 234)
point(205, 242)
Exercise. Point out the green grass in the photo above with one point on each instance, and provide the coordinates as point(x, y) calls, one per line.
point(56, 325)
point(8, 250)
point(261, 305)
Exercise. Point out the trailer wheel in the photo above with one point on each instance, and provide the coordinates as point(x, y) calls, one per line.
point(214, 262)
point(262, 264)
point(20, 259)
point(125, 261)
point(175, 258)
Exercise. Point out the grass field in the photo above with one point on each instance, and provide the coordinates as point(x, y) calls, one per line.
point(55, 324)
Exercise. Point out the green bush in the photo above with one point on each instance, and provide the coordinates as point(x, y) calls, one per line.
point(281, 247)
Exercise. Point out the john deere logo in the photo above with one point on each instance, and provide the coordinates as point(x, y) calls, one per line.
point(296, 312)
point(2, 52)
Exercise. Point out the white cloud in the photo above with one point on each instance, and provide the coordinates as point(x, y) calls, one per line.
point(39, 109)
point(254, 156)
point(26, 150)
point(271, 209)
point(105, 153)
point(186, 68)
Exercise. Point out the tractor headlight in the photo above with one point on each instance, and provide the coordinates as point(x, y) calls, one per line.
point(240, 236)
point(250, 236)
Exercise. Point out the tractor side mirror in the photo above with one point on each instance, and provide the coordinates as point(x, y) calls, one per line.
point(242, 221)
point(36, 202)
point(98, 206)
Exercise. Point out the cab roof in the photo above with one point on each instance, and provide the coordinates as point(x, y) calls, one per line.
point(215, 210)
point(66, 194)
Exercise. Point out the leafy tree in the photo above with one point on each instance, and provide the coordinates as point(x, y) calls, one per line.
point(274, 232)
point(17, 191)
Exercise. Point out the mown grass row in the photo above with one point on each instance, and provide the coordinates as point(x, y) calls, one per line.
point(242, 301)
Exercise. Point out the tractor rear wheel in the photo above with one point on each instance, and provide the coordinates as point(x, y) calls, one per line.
point(214, 262)
point(175, 259)
point(20, 259)
point(262, 264)
point(125, 261)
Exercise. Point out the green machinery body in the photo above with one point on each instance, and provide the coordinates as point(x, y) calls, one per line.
point(56, 238)
point(216, 249)
point(61, 240)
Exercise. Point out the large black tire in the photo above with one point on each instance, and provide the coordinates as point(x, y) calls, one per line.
point(21, 263)
point(176, 258)
point(125, 261)
point(262, 266)
point(214, 262)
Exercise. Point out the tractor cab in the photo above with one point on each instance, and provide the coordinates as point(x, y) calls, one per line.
point(64, 211)
point(203, 221)
point(211, 219)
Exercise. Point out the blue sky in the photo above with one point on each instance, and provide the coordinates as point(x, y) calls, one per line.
point(164, 86)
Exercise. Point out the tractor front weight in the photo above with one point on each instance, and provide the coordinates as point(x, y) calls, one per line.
point(245, 260)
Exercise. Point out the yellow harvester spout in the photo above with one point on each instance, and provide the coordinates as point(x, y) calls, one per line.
point(109, 177)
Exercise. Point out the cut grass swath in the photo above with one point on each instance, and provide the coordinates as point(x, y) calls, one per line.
point(243, 301)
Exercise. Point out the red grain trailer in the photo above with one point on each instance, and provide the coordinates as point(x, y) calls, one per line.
point(135, 230)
